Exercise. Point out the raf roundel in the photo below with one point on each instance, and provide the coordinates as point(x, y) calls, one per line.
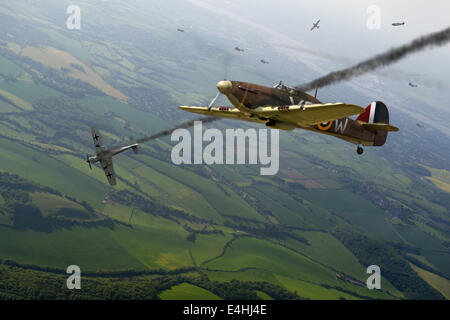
point(324, 126)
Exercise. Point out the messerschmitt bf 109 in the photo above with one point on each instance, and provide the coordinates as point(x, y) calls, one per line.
point(104, 155)
point(281, 107)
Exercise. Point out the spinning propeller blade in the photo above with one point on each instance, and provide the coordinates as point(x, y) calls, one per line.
point(87, 160)
point(213, 100)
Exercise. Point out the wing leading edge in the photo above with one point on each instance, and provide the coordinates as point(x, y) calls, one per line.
point(223, 112)
point(298, 114)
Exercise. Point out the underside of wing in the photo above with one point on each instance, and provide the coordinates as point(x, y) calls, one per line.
point(295, 114)
point(107, 166)
point(309, 114)
point(223, 112)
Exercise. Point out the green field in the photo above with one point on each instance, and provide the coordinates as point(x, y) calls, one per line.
point(52, 204)
point(260, 254)
point(437, 282)
point(208, 246)
point(118, 212)
point(326, 249)
point(196, 228)
point(40, 167)
point(441, 178)
point(187, 291)
point(91, 249)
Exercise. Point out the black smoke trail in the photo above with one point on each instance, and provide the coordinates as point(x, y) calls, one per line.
point(384, 59)
point(183, 125)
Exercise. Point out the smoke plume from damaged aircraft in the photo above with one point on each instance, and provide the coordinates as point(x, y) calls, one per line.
point(384, 59)
point(183, 125)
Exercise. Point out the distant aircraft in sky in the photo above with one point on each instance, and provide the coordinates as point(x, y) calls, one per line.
point(238, 49)
point(412, 85)
point(420, 125)
point(315, 25)
point(264, 61)
point(396, 24)
point(180, 30)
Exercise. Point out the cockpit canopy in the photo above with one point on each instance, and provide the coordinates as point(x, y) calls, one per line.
point(284, 88)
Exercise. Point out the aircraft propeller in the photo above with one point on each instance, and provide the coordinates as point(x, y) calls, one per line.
point(213, 100)
point(226, 60)
point(87, 160)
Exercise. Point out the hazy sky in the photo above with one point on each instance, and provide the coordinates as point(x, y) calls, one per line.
point(343, 27)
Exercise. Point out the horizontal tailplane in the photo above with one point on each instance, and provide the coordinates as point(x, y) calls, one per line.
point(376, 118)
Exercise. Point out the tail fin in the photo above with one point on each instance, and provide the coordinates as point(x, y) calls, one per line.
point(377, 113)
point(135, 147)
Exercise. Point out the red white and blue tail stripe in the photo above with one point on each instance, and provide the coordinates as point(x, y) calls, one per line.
point(376, 112)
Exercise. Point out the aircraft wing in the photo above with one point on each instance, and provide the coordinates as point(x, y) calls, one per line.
point(107, 165)
point(98, 140)
point(311, 114)
point(223, 112)
point(297, 114)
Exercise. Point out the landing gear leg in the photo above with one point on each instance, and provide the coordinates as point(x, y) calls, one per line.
point(359, 150)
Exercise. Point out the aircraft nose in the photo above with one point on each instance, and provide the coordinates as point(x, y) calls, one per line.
point(224, 86)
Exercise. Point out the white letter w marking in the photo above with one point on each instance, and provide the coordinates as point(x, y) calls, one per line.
point(340, 126)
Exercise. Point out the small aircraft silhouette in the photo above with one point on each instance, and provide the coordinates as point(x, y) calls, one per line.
point(315, 25)
point(104, 155)
point(264, 61)
point(238, 49)
point(396, 24)
point(412, 85)
point(180, 30)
